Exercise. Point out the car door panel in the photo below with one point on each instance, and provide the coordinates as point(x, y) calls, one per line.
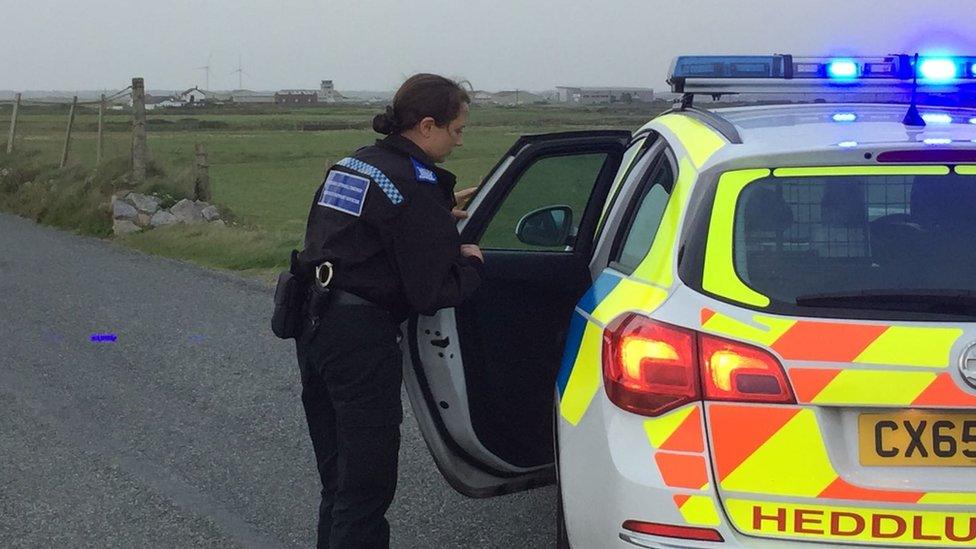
point(481, 377)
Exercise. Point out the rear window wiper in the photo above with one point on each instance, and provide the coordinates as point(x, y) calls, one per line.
point(953, 302)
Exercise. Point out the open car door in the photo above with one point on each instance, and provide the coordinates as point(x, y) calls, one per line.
point(481, 377)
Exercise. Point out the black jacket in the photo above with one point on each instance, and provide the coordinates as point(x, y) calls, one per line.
point(383, 217)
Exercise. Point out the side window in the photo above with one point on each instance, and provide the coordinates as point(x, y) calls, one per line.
point(565, 181)
point(632, 157)
point(643, 217)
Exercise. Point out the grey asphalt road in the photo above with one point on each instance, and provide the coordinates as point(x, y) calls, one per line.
point(188, 430)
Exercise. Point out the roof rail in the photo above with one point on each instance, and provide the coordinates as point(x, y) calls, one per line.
point(712, 120)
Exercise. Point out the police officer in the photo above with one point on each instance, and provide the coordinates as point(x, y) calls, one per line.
point(382, 220)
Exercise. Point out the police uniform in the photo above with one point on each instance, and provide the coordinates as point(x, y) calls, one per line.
point(382, 218)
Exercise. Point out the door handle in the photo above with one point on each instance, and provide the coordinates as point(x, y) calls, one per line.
point(442, 343)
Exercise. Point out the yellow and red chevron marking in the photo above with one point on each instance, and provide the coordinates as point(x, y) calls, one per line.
point(839, 386)
point(780, 442)
point(859, 343)
point(689, 471)
point(698, 510)
point(678, 438)
point(678, 431)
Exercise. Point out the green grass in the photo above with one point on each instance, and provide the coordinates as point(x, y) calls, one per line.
point(262, 170)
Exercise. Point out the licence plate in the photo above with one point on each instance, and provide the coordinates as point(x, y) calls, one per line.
point(918, 439)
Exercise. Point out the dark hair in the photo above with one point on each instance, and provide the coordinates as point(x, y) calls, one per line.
point(422, 95)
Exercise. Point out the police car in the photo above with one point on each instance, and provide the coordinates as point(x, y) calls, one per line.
point(748, 327)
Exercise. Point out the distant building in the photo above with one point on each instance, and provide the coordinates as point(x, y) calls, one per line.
point(517, 97)
point(328, 93)
point(251, 97)
point(193, 96)
point(296, 97)
point(482, 97)
point(160, 102)
point(506, 98)
point(592, 95)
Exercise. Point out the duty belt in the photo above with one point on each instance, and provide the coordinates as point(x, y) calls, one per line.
point(336, 297)
point(340, 297)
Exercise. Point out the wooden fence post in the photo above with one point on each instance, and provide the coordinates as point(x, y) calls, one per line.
point(140, 150)
point(201, 172)
point(67, 134)
point(13, 125)
point(98, 145)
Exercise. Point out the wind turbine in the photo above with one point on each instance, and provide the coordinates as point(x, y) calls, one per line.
point(206, 70)
point(240, 72)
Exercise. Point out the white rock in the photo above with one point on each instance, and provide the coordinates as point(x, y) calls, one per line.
point(142, 202)
point(161, 218)
point(219, 223)
point(123, 210)
point(124, 226)
point(210, 213)
point(186, 211)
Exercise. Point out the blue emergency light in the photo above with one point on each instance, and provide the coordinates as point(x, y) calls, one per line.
point(842, 68)
point(718, 75)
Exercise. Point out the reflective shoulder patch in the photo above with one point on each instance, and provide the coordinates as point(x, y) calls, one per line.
point(344, 192)
point(423, 173)
point(382, 181)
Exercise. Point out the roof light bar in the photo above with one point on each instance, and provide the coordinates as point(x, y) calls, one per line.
point(843, 68)
point(938, 70)
point(718, 75)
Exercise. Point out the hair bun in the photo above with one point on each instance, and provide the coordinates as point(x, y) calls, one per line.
point(385, 123)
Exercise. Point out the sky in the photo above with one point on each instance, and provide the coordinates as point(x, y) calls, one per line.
point(497, 45)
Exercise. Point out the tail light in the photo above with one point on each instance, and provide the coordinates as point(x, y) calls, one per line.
point(650, 368)
point(733, 371)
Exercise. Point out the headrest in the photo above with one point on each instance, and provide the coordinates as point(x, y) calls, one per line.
point(842, 205)
point(766, 210)
point(943, 201)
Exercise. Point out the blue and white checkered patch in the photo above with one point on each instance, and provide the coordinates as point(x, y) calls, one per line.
point(384, 183)
point(423, 173)
point(344, 192)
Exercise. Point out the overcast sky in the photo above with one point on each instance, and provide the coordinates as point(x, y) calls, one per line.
point(501, 44)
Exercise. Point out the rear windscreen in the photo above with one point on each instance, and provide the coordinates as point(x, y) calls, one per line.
point(806, 236)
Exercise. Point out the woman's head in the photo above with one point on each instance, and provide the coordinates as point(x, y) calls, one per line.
point(431, 111)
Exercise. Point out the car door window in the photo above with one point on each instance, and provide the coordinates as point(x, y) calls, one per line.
point(551, 181)
point(643, 217)
point(632, 157)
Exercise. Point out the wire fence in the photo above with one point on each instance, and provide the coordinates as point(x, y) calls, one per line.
point(27, 102)
point(102, 103)
point(135, 143)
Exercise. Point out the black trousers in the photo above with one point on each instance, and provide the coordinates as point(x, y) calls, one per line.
point(351, 377)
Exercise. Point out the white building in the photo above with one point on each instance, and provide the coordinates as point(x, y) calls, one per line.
point(594, 95)
point(162, 102)
point(194, 96)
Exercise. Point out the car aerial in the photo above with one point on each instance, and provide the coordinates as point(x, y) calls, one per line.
point(745, 327)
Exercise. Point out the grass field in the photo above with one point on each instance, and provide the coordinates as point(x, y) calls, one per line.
point(263, 169)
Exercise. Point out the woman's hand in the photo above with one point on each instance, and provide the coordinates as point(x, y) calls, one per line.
point(461, 200)
point(472, 250)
